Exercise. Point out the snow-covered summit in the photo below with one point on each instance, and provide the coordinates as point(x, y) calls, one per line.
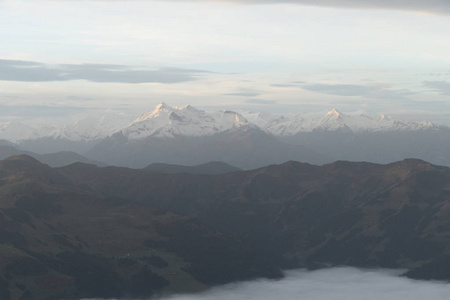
point(14, 131)
point(292, 124)
point(159, 110)
point(167, 121)
point(79, 127)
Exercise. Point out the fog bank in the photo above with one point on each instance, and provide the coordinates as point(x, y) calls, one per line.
point(337, 283)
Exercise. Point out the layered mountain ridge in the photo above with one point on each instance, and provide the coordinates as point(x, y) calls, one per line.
point(189, 136)
point(289, 125)
point(167, 121)
point(83, 231)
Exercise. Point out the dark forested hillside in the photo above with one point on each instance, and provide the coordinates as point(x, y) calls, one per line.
point(87, 228)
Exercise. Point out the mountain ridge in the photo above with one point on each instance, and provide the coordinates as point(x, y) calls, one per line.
point(167, 121)
point(57, 159)
point(189, 136)
point(209, 168)
point(106, 232)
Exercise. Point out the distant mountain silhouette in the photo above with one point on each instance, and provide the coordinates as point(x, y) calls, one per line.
point(210, 168)
point(190, 136)
point(244, 147)
point(58, 159)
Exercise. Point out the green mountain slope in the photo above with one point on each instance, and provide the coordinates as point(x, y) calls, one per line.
point(59, 240)
point(82, 231)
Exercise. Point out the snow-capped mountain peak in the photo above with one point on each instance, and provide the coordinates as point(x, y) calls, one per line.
point(384, 117)
point(160, 109)
point(333, 120)
point(167, 121)
point(292, 124)
point(334, 113)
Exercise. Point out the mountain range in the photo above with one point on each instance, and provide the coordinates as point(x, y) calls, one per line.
point(83, 231)
point(189, 136)
point(57, 159)
point(211, 168)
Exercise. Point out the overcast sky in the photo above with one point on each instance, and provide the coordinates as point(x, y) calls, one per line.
point(373, 56)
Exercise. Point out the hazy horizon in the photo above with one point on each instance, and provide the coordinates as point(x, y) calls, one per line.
point(67, 57)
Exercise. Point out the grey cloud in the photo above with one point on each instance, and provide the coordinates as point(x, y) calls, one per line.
point(432, 74)
point(20, 63)
point(13, 70)
point(285, 85)
point(434, 6)
point(386, 93)
point(442, 87)
point(260, 101)
point(339, 89)
point(78, 98)
point(293, 84)
point(350, 90)
point(180, 70)
point(93, 67)
point(242, 94)
point(38, 110)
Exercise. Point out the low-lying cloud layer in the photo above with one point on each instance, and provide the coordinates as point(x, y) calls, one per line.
point(29, 71)
point(244, 94)
point(442, 87)
point(37, 110)
point(338, 284)
point(340, 89)
point(376, 91)
point(260, 101)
